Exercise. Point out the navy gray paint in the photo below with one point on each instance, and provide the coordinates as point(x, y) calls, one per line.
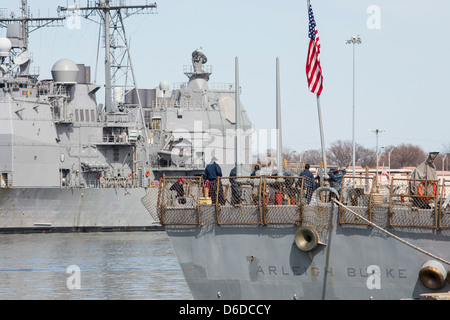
point(68, 163)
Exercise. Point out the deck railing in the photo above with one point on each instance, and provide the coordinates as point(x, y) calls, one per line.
point(292, 200)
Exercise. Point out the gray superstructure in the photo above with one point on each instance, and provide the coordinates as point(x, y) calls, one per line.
point(67, 163)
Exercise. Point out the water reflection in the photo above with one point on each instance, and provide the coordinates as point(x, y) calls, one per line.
point(134, 265)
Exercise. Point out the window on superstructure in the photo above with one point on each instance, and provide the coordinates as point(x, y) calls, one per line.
point(156, 123)
point(115, 154)
point(87, 115)
point(77, 116)
point(147, 117)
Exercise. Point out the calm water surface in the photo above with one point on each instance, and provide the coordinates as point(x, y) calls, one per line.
point(118, 265)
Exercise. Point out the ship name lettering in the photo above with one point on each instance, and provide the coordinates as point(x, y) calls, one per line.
point(291, 271)
point(389, 273)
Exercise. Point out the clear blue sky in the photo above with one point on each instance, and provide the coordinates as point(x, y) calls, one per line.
point(402, 65)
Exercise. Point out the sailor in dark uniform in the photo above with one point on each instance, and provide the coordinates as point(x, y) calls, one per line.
point(212, 172)
point(236, 189)
point(178, 187)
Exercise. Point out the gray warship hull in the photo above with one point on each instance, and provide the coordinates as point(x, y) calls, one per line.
point(375, 242)
point(256, 262)
point(71, 210)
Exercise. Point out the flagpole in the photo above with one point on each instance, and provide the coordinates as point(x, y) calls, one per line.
point(322, 140)
point(278, 105)
point(237, 110)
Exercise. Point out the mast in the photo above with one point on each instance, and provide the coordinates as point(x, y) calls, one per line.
point(108, 95)
point(117, 52)
point(18, 31)
point(27, 22)
point(237, 119)
point(279, 144)
point(324, 174)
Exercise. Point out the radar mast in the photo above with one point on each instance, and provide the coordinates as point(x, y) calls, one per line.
point(117, 51)
point(19, 29)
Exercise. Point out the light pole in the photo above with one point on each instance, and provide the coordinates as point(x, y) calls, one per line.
point(443, 161)
point(354, 40)
point(389, 159)
point(377, 131)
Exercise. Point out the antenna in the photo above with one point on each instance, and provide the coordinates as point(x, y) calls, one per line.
point(28, 22)
point(117, 52)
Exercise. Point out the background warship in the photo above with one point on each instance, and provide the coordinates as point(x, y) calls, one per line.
point(68, 163)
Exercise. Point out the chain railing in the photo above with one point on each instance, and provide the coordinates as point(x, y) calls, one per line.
point(281, 199)
point(237, 200)
point(293, 200)
point(413, 203)
point(178, 201)
point(358, 194)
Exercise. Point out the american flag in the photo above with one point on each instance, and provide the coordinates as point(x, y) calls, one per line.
point(313, 68)
point(384, 173)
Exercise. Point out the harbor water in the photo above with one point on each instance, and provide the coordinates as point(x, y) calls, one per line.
point(104, 265)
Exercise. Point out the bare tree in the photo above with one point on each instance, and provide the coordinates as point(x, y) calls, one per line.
point(445, 151)
point(340, 153)
point(365, 157)
point(446, 148)
point(313, 157)
point(289, 154)
point(405, 155)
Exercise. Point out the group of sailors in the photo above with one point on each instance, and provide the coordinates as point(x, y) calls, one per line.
point(287, 192)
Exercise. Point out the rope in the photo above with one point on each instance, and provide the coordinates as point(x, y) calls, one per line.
point(392, 235)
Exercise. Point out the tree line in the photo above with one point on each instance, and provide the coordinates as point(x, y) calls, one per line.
point(340, 153)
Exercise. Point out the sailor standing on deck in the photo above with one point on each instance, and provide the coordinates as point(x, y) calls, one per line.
point(212, 172)
point(178, 187)
point(236, 189)
point(309, 182)
point(335, 178)
point(256, 171)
